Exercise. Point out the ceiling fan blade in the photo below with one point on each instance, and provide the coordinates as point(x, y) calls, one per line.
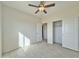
point(45, 11)
point(42, 2)
point(50, 5)
point(37, 11)
point(33, 5)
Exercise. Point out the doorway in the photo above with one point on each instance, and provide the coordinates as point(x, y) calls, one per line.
point(44, 32)
point(57, 32)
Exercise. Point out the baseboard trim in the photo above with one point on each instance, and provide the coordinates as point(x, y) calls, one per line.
point(37, 42)
point(10, 51)
point(71, 49)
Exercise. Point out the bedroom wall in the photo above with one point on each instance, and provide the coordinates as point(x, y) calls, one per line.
point(17, 23)
point(0, 30)
point(70, 15)
point(69, 32)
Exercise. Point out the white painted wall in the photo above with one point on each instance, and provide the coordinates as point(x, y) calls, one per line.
point(15, 21)
point(69, 32)
point(49, 33)
point(0, 31)
point(39, 31)
point(70, 14)
point(78, 32)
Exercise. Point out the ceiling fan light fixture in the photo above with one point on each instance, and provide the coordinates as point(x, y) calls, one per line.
point(41, 9)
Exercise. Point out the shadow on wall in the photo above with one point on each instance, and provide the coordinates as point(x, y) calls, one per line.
point(23, 40)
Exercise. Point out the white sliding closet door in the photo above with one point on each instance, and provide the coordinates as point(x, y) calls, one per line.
point(58, 32)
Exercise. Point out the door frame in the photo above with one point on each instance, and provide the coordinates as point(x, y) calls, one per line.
point(53, 29)
point(42, 31)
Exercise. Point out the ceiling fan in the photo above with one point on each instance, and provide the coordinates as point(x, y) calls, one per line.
point(42, 7)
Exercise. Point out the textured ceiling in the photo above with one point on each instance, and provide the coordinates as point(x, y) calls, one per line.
point(23, 6)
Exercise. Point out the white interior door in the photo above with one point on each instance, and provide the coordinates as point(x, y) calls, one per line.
point(45, 31)
point(58, 32)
